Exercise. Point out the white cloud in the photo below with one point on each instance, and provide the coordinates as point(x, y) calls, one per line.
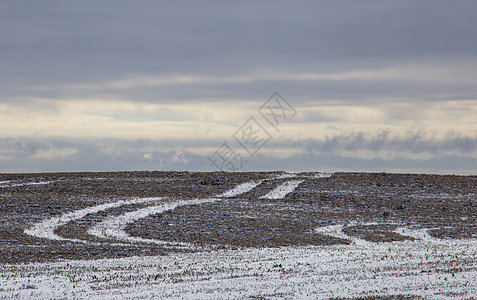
point(148, 156)
point(55, 153)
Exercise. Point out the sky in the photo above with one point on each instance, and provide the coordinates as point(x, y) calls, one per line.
point(373, 86)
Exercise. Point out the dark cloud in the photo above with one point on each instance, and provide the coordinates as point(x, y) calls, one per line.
point(21, 147)
point(414, 141)
point(86, 41)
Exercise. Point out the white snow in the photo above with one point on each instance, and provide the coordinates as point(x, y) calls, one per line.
point(286, 176)
point(240, 189)
point(282, 190)
point(114, 227)
point(12, 184)
point(322, 175)
point(46, 228)
point(336, 231)
point(421, 234)
point(419, 268)
point(426, 267)
point(295, 175)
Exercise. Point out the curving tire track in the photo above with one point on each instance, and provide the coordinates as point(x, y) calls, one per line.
point(46, 228)
point(420, 235)
point(282, 190)
point(113, 227)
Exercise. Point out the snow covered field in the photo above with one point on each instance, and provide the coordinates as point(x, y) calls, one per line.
point(260, 236)
point(425, 268)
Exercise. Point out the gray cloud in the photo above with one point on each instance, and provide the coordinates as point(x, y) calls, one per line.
point(24, 155)
point(410, 52)
point(117, 155)
point(414, 141)
point(21, 147)
point(53, 43)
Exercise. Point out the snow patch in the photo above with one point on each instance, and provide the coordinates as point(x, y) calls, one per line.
point(286, 176)
point(11, 184)
point(282, 190)
point(399, 268)
point(240, 189)
point(114, 227)
point(323, 175)
point(420, 234)
point(46, 228)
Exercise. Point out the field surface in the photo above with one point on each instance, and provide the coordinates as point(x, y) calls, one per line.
point(222, 235)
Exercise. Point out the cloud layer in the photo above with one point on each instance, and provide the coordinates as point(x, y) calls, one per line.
point(115, 85)
point(351, 152)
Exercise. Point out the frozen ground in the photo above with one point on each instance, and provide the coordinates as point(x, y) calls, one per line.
point(403, 268)
point(241, 235)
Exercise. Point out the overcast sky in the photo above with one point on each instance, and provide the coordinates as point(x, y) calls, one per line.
point(171, 85)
